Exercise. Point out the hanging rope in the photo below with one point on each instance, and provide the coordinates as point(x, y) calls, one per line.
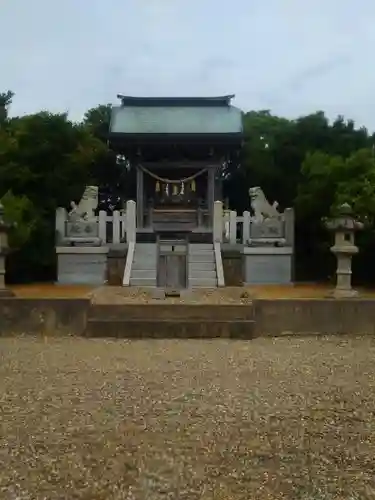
point(173, 181)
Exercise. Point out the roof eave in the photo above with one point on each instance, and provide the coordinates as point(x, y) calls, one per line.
point(175, 101)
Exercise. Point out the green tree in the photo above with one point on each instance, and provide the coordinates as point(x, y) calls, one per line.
point(328, 182)
point(275, 149)
point(45, 161)
point(22, 218)
point(98, 119)
point(5, 103)
point(116, 182)
point(257, 167)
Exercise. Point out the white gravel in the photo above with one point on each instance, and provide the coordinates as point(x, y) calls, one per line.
point(207, 420)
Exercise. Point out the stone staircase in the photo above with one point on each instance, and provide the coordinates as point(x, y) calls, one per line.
point(202, 266)
point(163, 321)
point(143, 271)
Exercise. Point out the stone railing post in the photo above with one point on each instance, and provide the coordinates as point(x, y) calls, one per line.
point(116, 227)
point(218, 222)
point(61, 218)
point(246, 228)
point(233, 227)
point(103, 226)
point(131, 218)
point(289, 227)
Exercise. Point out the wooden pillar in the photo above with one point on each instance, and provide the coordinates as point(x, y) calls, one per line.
point(218, 187)
point(139, 197)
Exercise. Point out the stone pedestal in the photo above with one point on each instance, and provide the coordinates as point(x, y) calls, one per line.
point(344, 272)
point(6, 293)
point(267, 265)
point(82, 265)
point(4, 229)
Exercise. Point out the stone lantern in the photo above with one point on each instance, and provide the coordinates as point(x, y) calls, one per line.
point(4, 248)
point(344, 225)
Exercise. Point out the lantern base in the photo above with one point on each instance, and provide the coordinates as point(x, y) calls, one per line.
point(6, 293)
point(343, 294)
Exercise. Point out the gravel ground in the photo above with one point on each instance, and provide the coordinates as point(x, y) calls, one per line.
point(266, 419)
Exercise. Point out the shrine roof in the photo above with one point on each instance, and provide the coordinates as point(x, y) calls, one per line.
point(175, 101)
point(176, 116)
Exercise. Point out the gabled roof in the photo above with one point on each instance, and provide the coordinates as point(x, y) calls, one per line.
point(176, 116)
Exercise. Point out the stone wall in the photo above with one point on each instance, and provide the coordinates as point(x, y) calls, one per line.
point(116, 266)
point(81, 265)
point(233, 267)
point(314, 316)
point(268, 265)
point(43, 316)
point(261, 318)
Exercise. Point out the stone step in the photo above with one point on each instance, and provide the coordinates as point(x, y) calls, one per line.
point(202, 282)
point(209, 265)
point(139, 266)
point(201, 258)
point(143, 273)
point(200, 246)
point(202, 276)
point(145, 260)
point(145, 246)
point(201, 251)
point(144, 255)
point(143, 282)
point(170, 328)
point(141, 249)
point(160, 310)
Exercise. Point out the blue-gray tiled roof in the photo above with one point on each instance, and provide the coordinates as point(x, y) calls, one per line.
point(167, 116)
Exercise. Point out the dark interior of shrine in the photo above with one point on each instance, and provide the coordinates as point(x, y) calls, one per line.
point(189, 192)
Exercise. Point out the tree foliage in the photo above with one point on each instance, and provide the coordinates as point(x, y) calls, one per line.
point(22, 218)
point(308, 163)
point(45, 161)
point(5, 102)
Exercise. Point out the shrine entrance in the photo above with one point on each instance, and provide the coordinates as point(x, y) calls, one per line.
point(175, 195)
point(172, 271)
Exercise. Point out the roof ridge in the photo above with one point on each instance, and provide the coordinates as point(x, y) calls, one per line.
point(176, 101)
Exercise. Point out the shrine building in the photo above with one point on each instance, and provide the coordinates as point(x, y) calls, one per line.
point(173, 233)
point(178, 146)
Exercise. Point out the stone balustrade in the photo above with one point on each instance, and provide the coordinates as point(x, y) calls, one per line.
point(120, 226)
point(229, 227)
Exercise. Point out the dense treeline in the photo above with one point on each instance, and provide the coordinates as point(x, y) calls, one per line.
point(308, 163)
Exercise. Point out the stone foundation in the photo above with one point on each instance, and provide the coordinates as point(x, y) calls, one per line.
point(268, 265)
point(115, 266)
point(81, 265)
point(78, 317)
point(233, 267)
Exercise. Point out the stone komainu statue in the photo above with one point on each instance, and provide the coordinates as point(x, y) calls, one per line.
point(261, 207)
point(85, 210)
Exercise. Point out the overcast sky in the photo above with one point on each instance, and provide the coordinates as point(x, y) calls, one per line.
point(290, 56)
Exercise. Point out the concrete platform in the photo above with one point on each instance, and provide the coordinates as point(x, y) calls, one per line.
point(79, 316)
